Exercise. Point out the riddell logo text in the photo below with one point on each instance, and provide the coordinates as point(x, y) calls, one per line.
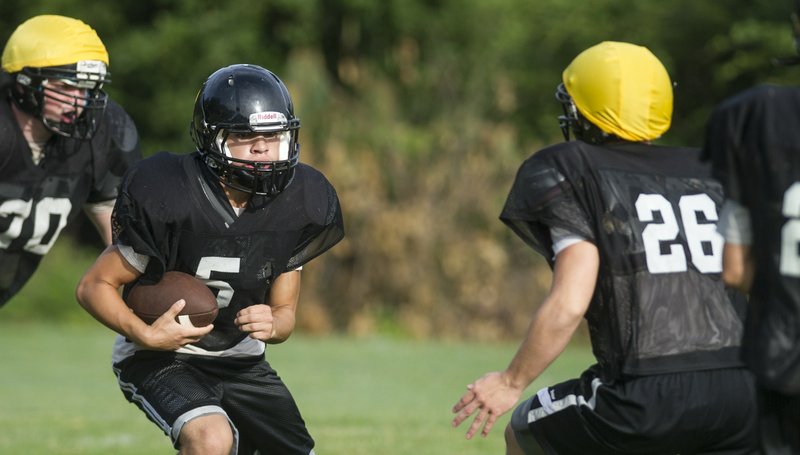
point(91, 66)
point(259, 118)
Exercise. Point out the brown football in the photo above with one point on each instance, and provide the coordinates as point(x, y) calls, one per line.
point(151, 301)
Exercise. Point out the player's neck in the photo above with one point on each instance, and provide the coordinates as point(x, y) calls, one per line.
point(32, 128)
point(237, 199)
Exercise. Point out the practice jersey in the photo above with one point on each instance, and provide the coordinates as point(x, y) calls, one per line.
point(37, 201)
point(754, 144)
point(173, 210)
point(659, 304)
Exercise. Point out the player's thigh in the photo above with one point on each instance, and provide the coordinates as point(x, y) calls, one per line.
point(553, 422)
point(520, 441)
point(692, 412)
point(168, 390)
point(264, 411)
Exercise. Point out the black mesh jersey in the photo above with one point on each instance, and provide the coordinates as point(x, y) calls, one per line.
point(754, 143)
point(37, 201)
point(660, 304)
point(174, 211)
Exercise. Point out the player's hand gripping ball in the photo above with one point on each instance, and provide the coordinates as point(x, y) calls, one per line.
point(151, 301)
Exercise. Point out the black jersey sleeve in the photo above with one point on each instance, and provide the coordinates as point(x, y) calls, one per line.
point(543, 197)
point(326, 227)
point(750, 136)
point(115, 147)
point(722, 143)
point(141, 219)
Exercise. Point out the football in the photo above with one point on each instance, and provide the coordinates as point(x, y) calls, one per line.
point(151, 301)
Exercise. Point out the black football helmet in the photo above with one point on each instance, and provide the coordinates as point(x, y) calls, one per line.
point(246, 99)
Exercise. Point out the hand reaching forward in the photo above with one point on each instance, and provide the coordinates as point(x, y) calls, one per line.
point(167, 334)
point(491, 396)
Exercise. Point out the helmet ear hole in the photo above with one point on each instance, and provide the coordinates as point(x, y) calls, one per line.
point(27, 94)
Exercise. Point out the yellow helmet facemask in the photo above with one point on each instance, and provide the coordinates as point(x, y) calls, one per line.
point(619, 88)
point(48, 49)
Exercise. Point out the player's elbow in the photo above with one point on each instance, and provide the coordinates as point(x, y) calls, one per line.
point(87, 287)
point(82, 291)
point(737, 268)
point(732, 277)
point(737, 279)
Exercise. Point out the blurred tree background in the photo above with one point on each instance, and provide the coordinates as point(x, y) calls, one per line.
point(419, 112)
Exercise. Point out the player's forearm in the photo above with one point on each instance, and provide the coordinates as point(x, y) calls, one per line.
point(283, 323)
point(549, 333)
point(284, 296)
point(552, 326)
point(103, 302)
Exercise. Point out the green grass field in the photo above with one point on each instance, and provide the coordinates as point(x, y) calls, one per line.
point(358, 396)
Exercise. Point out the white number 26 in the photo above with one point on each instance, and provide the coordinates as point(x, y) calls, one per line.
point(697, 234)
point(790, 233)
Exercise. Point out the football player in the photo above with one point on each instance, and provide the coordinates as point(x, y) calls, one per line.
point(630, 231)
point(755, 151)
point(64, 144)
point(244, 215)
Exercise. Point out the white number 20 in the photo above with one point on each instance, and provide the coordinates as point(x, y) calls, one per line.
point(46, 211)
point(697, 234)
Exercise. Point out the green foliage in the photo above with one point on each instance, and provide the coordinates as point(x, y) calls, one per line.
point(357, 396)
point(419, 112)
point(442, 58)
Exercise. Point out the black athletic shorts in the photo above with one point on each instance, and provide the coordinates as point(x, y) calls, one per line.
point(171, 389)
point(779, 422)
point(698, 412)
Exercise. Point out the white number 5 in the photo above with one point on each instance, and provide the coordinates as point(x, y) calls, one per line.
point(210, 264)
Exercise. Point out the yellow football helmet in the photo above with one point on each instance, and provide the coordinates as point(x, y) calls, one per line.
point(57, 48)
point(621, 89)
